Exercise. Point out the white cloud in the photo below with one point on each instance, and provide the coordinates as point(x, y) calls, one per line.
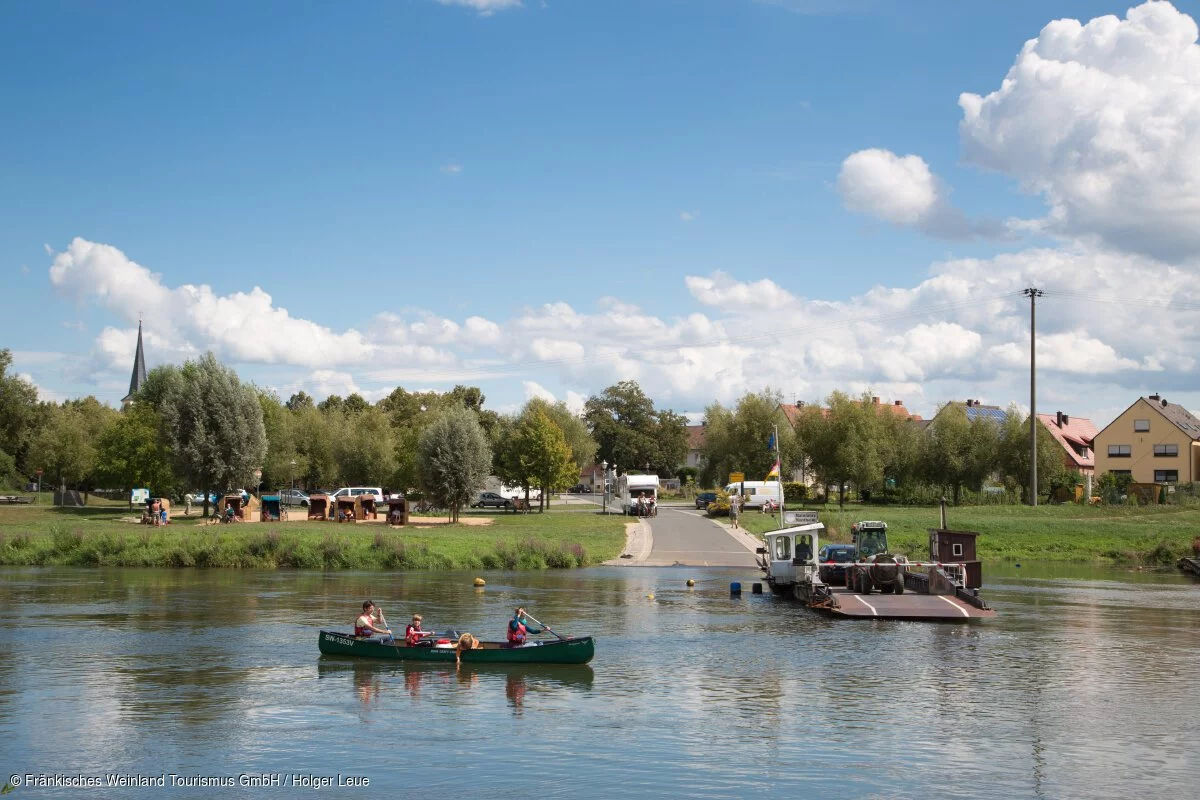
point(721, 289)
point(1103, 120)
point(43, 394)
point(484, 7)
point(903, 190)
point(534, 389)
point(244, 326)
point(686, 216)
point(898, 189)
point(24, 269)
point(452, 169)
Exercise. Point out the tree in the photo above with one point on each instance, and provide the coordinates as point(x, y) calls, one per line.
point(18, 413)
point(316, 437)
point(454, 458)
point(574, 429)
point(544, 454)
point(280, 425)
point(300, 401)
point(214, 427)
point(366, 453)
point(333, 402)
point(355, 404)
point(159, 383)
point(738, 440)
point(834, 438)
point(1013, 460)
point(131, 453)
point(65, 445)
point(629, 432)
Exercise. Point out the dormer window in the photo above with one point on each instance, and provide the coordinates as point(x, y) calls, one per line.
point(1141, 425)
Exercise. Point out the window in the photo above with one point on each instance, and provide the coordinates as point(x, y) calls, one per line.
point(1166, 476)
point(956, 549)
point(1141, 425)
point(783, 548)
point(1120, 450)
point(1166, 449)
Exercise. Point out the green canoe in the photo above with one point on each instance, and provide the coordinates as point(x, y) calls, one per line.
point(572, 650)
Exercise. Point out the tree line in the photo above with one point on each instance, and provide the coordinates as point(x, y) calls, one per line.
point(855, 442)
point(197, 427)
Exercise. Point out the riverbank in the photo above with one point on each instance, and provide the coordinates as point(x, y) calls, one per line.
point(43, 536)
point(1150, 535)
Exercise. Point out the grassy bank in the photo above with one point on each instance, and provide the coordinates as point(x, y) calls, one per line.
point(103, 537)
point(1120, 535)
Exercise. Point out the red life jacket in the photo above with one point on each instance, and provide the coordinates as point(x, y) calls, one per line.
point(360, 630)
point(412, 635)
point(517, 635)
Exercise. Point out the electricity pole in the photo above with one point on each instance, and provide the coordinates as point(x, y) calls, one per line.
point(1033, 294)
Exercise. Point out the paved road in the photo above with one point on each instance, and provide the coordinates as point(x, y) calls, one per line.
point(683, 536)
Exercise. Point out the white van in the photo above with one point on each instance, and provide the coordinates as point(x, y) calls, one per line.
point(756, 493)
point(354, 491)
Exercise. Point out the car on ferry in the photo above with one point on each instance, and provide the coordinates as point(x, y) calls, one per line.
point(839, 554)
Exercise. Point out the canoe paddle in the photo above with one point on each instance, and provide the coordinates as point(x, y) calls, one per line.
point(544, 625)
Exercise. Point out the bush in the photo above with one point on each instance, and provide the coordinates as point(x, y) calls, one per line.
point(795, 492)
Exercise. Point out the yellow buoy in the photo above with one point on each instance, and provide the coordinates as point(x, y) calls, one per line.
point(480, 582)
point(691, 582)
point(649, 597)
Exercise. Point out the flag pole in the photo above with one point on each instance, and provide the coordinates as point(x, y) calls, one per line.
point(779, 477)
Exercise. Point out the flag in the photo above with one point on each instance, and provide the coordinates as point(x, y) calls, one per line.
point(774, 473)
point(771, 442)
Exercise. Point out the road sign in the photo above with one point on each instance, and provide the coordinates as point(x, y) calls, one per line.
point(737, 477)
point(258, 474)
point(38, 472)
point(791, 518)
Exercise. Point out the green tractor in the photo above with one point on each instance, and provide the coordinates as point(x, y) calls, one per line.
point(874, 567)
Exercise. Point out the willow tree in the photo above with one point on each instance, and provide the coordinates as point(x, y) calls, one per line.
point(453, 458)
point(214, 427)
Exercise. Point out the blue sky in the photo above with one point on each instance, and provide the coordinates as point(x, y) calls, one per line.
point(425, 160)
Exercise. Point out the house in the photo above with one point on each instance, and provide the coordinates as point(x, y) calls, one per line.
point(695, 452)
point(1075, 435)
point(592, 477)
point(977, 410)
point(1152, 441)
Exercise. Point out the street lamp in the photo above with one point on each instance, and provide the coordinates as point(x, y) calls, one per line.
point(293, 477)
point(604, 500)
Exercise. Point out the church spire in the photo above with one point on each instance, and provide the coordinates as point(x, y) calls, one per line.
point(139, 370)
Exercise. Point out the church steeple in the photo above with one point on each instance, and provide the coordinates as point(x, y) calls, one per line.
point(139, 371)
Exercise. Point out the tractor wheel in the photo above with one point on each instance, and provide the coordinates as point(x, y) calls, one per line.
point(866, 583)
point(900, 586)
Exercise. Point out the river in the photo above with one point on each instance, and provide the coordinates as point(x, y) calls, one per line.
point(1085, 685)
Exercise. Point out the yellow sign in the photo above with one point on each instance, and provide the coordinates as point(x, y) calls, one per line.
point(737, 477)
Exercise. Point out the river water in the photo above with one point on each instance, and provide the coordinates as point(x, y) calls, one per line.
point(1085, 685)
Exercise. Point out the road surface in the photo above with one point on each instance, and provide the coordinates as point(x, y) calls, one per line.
point(686, 537)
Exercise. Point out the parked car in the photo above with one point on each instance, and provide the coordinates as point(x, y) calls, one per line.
point(704, 498)
point(196, 498)
point(840, 554)
point(580, 488)
point(355, 491)
point(491, 500)
point(293, 497)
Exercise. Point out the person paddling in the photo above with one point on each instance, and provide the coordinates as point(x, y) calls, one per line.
point(519, 628)
point(413, 633)
point(365, 624)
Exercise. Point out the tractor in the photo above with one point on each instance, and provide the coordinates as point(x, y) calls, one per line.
point(874, 567)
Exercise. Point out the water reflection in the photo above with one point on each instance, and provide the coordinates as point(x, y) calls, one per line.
point(1075, 689)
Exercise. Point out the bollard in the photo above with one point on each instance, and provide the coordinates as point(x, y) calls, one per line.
point(735, 588)
point(756, 588)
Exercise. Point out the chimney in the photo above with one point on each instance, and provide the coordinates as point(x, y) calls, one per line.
point(1066, 420)
point(970, 402)
point(1058, 419)
point(875, 400)
point(1154, 397)
point(899, 402)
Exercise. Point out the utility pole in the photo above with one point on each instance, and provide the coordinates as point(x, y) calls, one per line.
point(1033, 294)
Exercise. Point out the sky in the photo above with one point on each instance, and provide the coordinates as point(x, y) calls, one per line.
point(542, 198)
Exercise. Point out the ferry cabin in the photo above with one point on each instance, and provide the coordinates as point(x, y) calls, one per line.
point(791, 556)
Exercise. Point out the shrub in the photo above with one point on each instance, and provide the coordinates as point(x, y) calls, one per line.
point(795, 492)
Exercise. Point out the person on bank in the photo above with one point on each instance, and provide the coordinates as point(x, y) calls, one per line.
point(413, 634)
point(519, 628)
point(366, 625)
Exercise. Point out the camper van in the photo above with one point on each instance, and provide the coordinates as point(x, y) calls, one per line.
point(756, 493)
point(629, 487)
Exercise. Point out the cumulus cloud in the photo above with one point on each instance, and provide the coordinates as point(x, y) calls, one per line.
point(903, 190)
point(452, 169)
point(686, 216)
point(485, 7)
point(245, 326)
point(1103, 120)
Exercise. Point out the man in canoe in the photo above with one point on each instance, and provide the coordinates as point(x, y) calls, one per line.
point(519, 628)
point(413, 633)
point(365, 624)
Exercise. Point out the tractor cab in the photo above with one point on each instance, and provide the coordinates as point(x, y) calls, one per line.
point(870, 537)
point(790, 554)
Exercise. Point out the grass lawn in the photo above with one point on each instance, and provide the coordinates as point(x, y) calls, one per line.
point(1122, 534)
point(41, 535)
